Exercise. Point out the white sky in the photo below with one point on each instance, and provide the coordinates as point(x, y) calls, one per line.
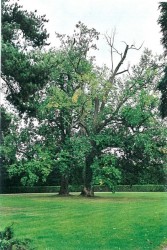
point(135, 21)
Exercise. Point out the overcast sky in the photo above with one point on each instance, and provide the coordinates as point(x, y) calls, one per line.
point(135, 21)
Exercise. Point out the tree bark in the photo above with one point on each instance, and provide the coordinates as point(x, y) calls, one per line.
point(64, 186)
point(87, 190)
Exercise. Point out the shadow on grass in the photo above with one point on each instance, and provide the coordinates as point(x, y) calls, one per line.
point(99, 196)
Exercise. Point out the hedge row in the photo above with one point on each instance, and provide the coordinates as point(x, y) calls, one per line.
point(26, 189)
point(134, 188)
point(97, 188)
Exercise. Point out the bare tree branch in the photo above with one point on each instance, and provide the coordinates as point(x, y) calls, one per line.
point(116, 51)
point(110, 41)
point(133, 46)
point(115, 72)
point(121, 72)
point(119, 64)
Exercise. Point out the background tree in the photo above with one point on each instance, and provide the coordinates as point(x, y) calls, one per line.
point(163, 83)
point(8, 146)
point(22, 72)
point(143, 141)
point(23, 69)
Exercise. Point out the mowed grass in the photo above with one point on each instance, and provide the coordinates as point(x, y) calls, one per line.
point(126, 221)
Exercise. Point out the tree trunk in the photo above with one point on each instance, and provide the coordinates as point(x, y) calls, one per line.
point(87, 192)
point(64, 186)
point(88, 175)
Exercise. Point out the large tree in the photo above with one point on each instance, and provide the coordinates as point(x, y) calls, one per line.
point(60, 103)
point(82, 110)
point(163, 83)
point(88, 100)
point(56, 107)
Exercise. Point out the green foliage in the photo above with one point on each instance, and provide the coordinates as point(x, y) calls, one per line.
point(22, 72)
point(106, 171)
point(64, 159)
point(24, 155)
point(5, 121)
point(143, 160)
point(163, 22)
point(143, 136)
point(7, 241)
point(140, 114)
point(16, 20)
point(59, 99)
point(8, 148)
point(31, 170)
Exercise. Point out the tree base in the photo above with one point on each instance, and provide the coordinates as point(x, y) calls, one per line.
point(87, 192)
point(64, 195)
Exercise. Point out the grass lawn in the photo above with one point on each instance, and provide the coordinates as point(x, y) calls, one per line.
point(126, 221)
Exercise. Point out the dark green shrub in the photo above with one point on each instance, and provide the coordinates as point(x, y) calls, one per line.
point(132, 188)
point(8, 242)
point(35, 189)
point(140, 188)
